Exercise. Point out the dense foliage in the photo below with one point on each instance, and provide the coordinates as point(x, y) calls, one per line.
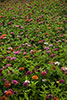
point(33, 50)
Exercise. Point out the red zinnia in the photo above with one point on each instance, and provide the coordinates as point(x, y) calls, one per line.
point(3, 98)
point(7, 84)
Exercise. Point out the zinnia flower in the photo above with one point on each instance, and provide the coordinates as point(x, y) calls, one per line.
point(48, 51)
point(46, 43)
point(53, 55)
point(64, 69)
point(29, 45)
point(3, 98)
point(46, 48)
point(4, 79)
point(26, 83)
point(21, 27)
point(55, 49)
point(42, 15)
point(15, 82)
point(9, 22)
point(28, 72)
point(34, 77)
point(4, 35)
point(57, 63)
point(40, 41)
point(25, 53)
point(7, 84)
point(8, 93)
point(9, 48)
point(50, 45)
point(11, 90)
point(43, 80)
point(26, 43)
point(44, 73)
point(43, 40)
point(21, 68)
point(11, 33)
point(13, 58)
point(61, 81)
point(32, 52)
point(55, 98)
point(8, 65)
point(17, 52)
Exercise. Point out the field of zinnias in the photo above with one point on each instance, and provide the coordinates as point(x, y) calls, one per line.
point(33, 50)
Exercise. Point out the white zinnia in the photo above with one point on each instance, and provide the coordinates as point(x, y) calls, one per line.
point(46, 43)
point(57, 63)
point(27, 81)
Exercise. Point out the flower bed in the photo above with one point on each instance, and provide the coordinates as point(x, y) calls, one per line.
point(33, 50)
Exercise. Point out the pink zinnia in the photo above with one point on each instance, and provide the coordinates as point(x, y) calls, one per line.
point(13, 58)
point(8, 65)
point(25, 53)
point(55, 49)
point(25, 84)
point(43, 80)
point(43, 40)
point(13, 17)
point(40, 41)
point(48, 51)
point(53, 55)
point(31, 19)
point(44, 73)
point(28, 72)
point(29, 45)
point(64, 69)
point(61, 81)
point(11, 33)
point(42, 15)
point(32, 51)
point(17, 52)
point(26, 43)
point(47, 48)
point(21, 27)
point(15, 82)
point(9, 22)
point(50, 45)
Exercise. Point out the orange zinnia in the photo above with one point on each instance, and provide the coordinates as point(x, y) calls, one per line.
point(49, 27)
point(58, 28)
point(8, 93)
point(34, 77)
point(21, 68)
point(4, 35)
point(54, 67)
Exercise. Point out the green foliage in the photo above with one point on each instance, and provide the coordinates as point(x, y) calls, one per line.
point(44, 21)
